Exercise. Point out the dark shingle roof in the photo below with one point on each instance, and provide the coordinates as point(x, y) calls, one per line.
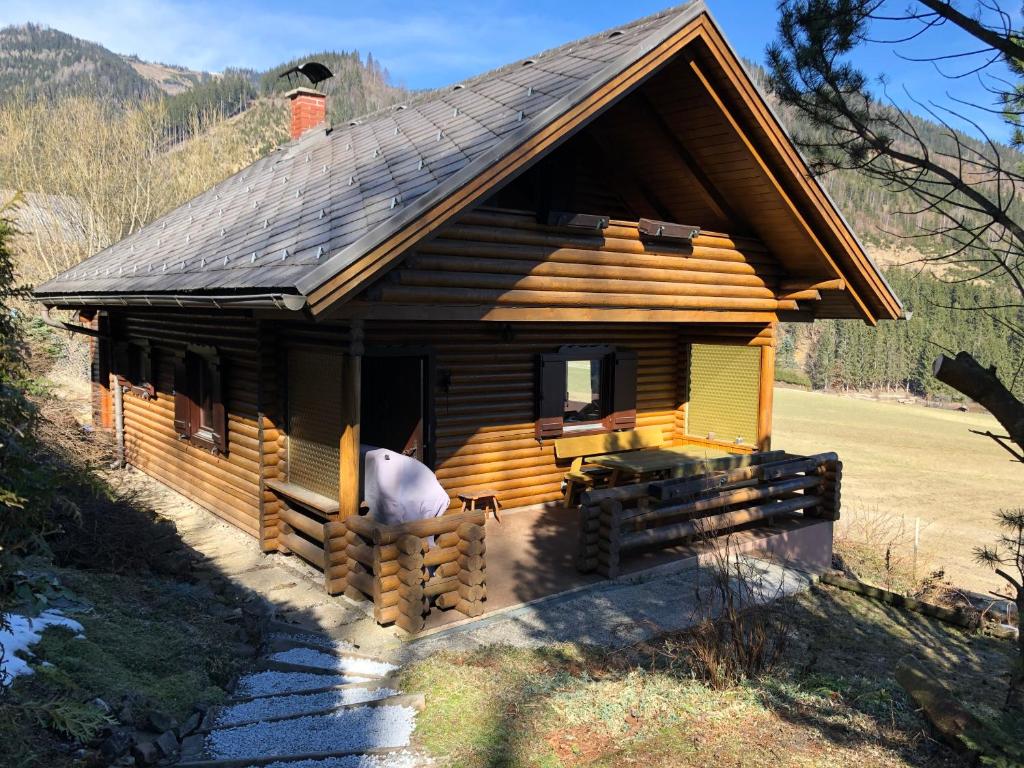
point(276, 223)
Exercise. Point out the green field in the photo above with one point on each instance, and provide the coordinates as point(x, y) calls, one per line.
point(910, 461)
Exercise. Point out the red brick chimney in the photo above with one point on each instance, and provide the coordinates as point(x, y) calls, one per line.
point(309, 109)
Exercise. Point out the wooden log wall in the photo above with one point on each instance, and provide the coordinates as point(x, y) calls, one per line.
point(485, 420)
point(504, 258)
point(229, 486)
point(273, 433)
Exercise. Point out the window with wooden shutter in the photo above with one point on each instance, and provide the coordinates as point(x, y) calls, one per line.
point(585, 388)
point(200, 415)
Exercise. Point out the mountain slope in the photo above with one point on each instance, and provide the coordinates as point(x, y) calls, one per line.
point(48, 63)
point(170, 79)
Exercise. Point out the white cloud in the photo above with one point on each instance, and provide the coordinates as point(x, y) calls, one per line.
point(420, 47)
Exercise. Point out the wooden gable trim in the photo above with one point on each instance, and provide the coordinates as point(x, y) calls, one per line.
point(343, 285)
point(797, 167)
point(801, 221)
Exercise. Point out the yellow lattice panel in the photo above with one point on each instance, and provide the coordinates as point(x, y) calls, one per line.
point(314, 420)
point(724, 383)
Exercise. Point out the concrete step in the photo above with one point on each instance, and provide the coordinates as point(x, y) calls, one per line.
point(342, 732)
point(300, 658)
point(304, 704)
point(272, 682)
point(295, 637)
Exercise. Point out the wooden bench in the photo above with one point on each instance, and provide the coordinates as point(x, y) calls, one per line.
point(581, 447)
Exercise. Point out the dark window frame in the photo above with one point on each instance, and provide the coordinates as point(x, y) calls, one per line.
point(133, 362)
point(200, 415)
point(617, 396)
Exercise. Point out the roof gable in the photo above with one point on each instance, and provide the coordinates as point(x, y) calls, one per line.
point(327, 214)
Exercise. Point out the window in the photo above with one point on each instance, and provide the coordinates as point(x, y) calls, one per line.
point(199, 412)
point(134, 368)
point(585, 388)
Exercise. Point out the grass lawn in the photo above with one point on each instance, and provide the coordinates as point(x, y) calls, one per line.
point(911, 461)
point(833, 702)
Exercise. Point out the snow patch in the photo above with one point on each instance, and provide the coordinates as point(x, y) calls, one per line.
point(26, 631)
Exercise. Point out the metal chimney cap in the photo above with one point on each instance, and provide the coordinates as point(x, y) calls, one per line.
point(313, 71)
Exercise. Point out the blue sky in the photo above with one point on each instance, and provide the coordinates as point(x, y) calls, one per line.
point(424, 44)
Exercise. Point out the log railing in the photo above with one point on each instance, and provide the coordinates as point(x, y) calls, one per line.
point(707, 499)
point(409, 569)
point(406, 570)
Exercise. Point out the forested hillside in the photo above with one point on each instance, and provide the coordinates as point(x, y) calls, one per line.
point(48, 63)
point(357, 88)
point(39, 63)
point(899, 355)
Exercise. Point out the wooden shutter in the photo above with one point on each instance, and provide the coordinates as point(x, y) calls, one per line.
point(550, 396)
point(220, 419)
point(182, 400)
point(623, 395)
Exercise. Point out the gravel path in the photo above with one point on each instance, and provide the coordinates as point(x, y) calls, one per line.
point(349, 729)
point(272, 683)
point(280, 706)
point(318, 641)
point(310, 657)
point(396, 760)
point(273, 724)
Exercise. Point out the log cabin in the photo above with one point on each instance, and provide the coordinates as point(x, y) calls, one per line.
point(557, 285)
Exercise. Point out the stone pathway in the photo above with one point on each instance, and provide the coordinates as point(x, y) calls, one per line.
point(312, 701)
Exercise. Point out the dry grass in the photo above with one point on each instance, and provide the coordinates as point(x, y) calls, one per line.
point(831, 702)
point(902, 462)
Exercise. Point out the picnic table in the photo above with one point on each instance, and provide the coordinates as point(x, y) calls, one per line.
point(649, 463)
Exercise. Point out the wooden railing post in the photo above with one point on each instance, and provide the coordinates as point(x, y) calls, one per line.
point(610, 538)
point(831, 483)
point(589, 537)
point(765, 396)
point(472, 586)
point(412, 604)
point(348, 449)
point(335, 557)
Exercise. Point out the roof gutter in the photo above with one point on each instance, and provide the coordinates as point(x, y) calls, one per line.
point(287, 301)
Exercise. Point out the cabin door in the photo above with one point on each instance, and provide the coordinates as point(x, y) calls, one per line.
point(394, 411)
